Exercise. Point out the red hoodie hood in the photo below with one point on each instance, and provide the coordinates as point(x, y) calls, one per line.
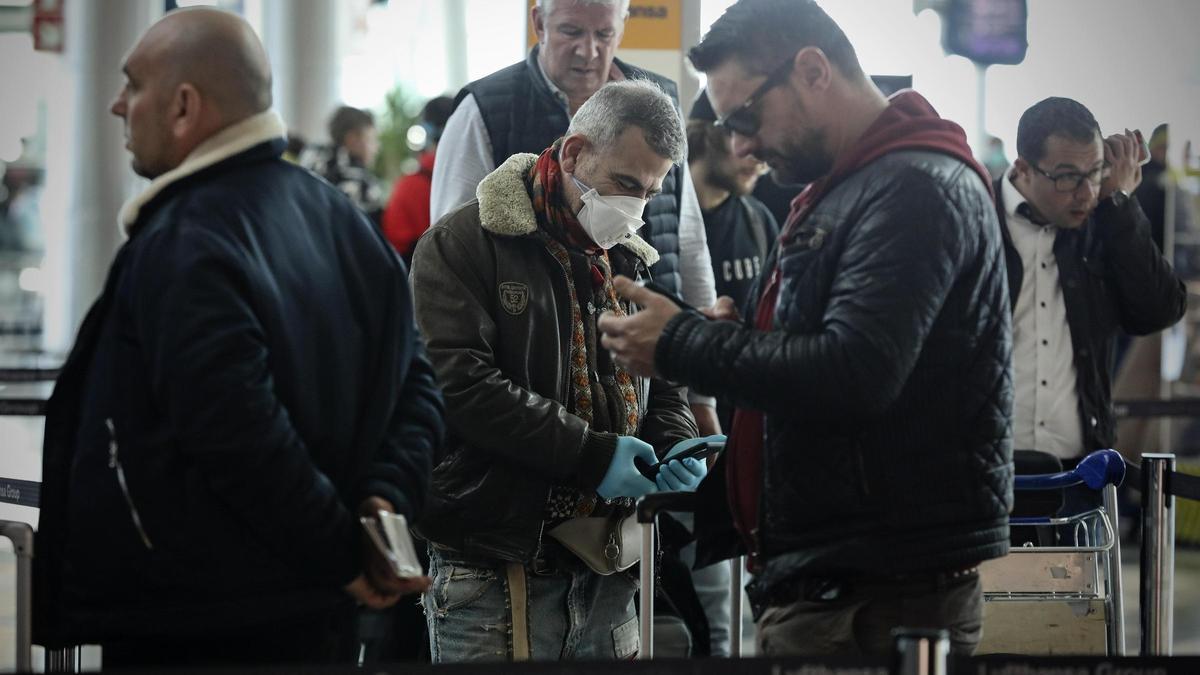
point(908, 123)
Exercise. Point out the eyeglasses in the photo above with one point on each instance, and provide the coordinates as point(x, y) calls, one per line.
point(742, 120)
point(1071, 180)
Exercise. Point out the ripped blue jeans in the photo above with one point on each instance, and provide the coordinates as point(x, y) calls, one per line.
point(573, 613)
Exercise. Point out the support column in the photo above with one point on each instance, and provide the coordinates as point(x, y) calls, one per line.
point(456, 45)
point(87, 166)
point(304, 40)
point(689, 84)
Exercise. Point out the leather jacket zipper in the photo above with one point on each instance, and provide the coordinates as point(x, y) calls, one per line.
point(114, 463)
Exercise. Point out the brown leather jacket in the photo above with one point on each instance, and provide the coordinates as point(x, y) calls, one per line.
point(493, 305)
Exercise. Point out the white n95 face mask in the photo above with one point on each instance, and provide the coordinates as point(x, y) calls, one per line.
point(608, 218)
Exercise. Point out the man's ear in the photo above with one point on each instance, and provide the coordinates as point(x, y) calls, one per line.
point(568, 154)
point(539, 23)
point(811, 70)
point(1020, 169)
point(185, 110)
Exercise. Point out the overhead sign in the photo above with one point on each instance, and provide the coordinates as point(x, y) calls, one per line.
point(652, 24)
point(986, 31)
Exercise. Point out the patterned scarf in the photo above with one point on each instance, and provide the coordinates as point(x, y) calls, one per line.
point(560, 231)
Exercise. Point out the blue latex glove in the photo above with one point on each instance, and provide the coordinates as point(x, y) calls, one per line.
point(681, 475)
point(685, 475)
point(622, 478)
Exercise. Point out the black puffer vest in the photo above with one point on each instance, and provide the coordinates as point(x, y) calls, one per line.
point(522, 115)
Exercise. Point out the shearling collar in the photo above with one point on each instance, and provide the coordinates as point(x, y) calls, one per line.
point(226, 143)
point(505, 208)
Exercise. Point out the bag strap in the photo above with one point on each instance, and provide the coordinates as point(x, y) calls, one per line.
point(518, 600)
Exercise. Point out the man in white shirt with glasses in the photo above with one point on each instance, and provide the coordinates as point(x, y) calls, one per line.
point(1082, 267)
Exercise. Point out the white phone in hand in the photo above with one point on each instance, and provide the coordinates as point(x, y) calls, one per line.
point(389, 533)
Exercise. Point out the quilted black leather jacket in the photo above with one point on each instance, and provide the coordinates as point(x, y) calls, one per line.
point(886, 381)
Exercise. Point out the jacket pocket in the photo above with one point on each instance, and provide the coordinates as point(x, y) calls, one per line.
point(114, 463)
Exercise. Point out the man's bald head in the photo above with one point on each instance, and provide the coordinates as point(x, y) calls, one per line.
point(194, 73)
point(218, 53)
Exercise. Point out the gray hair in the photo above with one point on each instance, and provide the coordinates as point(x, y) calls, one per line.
point(632, 103)
point(622, 6)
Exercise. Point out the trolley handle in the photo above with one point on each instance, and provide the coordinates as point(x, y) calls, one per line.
point(1100, 468)
point(648, 507)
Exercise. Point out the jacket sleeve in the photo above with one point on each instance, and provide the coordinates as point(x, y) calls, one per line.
point(210, 368)
point(898, 264)
point(668, 418)
point(453, 289)
point(400, 470)
point(1148, 295)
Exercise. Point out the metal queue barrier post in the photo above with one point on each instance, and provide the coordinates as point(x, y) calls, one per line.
point(64, 660)
point(1158, 555)
point(21, 536)
point(646, 591)
point(920, 651)
point(1116, 629)
point(736, 566)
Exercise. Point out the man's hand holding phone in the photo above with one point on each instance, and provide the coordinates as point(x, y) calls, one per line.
point(1123, 153)
point(683, 467)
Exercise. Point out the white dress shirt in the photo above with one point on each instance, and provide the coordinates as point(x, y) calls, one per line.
point(1046, 408)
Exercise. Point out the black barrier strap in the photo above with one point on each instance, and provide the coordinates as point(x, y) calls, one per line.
point(28, 374)
point(22, 407)
point(1178, 407)
point(1178, 484)
point(20, 492)
point(1184, 485)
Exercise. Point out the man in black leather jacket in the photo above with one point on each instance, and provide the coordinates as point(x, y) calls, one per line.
point(249, 381)
point(869, 467)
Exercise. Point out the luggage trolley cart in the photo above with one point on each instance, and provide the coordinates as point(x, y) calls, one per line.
point(1059, 599)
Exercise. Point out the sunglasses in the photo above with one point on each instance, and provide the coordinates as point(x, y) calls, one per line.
point(743, 120)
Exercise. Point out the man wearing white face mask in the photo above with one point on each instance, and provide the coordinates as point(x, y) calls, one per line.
point(608, 219)
point(544, 427)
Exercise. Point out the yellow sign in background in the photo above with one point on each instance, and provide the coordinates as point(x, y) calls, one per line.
point(652, 24)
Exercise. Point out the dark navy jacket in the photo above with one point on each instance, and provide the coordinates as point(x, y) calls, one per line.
point(250, 373)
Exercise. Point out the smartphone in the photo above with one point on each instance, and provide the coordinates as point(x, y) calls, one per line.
point(1143, 148)
point(389, 534)
point(699, 451)
point(662, 290)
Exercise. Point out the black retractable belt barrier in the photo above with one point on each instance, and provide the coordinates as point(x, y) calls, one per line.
point(1177, 484)
point(28, 374)
point(1176, 407)
point(20, 492)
